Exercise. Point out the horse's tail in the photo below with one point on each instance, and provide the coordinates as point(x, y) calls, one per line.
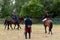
point(51, 24)
point(5, 22)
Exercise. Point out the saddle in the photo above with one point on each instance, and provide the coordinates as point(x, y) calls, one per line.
point(47, 22)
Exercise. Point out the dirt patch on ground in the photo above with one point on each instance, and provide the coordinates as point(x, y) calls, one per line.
point(37, 33)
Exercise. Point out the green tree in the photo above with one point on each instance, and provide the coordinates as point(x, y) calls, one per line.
point(1, 3)
point(32, 9)
point(52, 6)
point(56, 9)
point(18, 5)
point(6, 8)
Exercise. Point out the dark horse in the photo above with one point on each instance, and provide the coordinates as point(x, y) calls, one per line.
point(9, 22)
point(48, 23)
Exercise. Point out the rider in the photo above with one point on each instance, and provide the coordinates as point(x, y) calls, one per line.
point(46, 16)
point(14, 17)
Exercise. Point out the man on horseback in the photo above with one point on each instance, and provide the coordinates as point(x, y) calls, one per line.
point(46, 16)
point(14, 17)
point(28, 23)
point(47, 22)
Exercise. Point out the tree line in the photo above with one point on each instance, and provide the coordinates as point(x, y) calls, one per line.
point(33, 8)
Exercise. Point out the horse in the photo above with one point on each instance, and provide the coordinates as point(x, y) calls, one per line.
point(28, 30)
point(9, 22)
point(48, 23)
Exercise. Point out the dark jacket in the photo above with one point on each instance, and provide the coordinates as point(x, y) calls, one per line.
point(46, 16)
point(15, 18)
point(28, 21)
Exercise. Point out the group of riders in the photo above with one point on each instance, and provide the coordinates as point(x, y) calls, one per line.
point(16, 19)
point(28, 22)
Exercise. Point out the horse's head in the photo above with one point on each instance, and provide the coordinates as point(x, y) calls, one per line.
point(21, 19)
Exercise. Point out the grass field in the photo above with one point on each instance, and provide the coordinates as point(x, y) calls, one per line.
point(37, 33)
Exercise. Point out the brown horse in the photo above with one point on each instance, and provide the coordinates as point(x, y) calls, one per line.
point(9, 22)
point(48, 23)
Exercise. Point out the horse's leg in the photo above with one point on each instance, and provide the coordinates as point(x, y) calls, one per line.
point(14, 26)
point(50, 28)
point(5, 26)
point(18, 26)
point(8, 27)
point(25, 35)
point(51, 31)
point(45, 30)
point(11, 26)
